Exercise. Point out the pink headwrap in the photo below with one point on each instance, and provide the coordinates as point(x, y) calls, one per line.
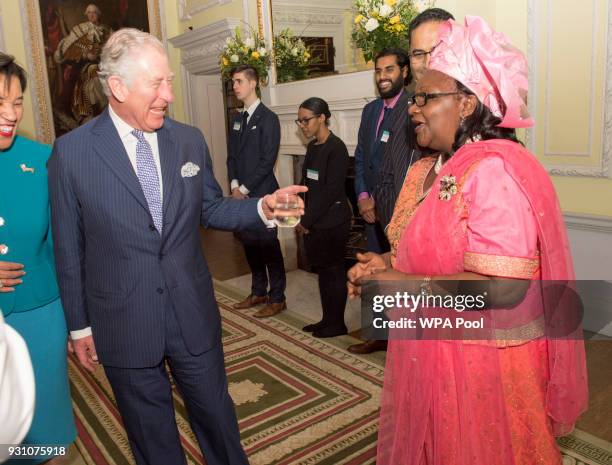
point(486, 63)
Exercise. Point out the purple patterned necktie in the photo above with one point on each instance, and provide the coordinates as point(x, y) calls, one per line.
point(149, 180)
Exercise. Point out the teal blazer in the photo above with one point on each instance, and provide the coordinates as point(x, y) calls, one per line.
point(25, 227)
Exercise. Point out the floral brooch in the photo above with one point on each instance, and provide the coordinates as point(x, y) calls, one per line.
point(448, 187)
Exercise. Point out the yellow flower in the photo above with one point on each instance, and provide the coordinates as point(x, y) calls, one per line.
point(306, 55)
point(225, 61)
point(255, 55)
point(244, 49)
point(390, 2)
point(395, 19)
point(358, 19)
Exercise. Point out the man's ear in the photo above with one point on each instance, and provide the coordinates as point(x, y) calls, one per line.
point(118, 88)
point(405, 71)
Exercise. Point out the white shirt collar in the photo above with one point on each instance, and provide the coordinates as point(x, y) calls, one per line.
point(253, 107)
point(123, 128)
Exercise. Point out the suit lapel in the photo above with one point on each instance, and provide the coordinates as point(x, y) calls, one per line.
point(252, 123)
point(377, 109)
point(110, 148)
point(170, 160)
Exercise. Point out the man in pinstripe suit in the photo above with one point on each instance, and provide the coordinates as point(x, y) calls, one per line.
point(128, 192)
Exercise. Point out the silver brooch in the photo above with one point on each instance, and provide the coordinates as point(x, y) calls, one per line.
point(448, 187)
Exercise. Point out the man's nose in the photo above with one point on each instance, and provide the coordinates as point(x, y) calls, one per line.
point(165, 92)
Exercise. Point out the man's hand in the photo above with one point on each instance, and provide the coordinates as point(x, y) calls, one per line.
point(237, 194)
point(368, 264)
point(301, 229)
point(85, 351)
point(269, 201)
point(367, 209)
point(10, 276)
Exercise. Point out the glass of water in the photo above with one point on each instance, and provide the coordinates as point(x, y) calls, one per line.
point(287, 210)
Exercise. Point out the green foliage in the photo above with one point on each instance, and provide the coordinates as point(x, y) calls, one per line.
point(291, 57)
point(381, 23)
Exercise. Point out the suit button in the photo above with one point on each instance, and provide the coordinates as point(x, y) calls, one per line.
point(1, 221)
point(160, 290)
point(3, 249)
point(152, 227)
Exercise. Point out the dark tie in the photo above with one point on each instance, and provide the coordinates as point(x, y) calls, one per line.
point(243, 126)
point(148, 177)
point(386, 114)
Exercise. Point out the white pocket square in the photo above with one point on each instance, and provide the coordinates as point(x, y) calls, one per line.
point(254, 127)
point(189, 169)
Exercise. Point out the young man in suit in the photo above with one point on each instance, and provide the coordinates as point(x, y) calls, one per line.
point(402, 150)
point(253, 149)
point(375, 133)
point(128, 193)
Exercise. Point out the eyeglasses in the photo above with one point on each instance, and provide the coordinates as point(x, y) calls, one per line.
point(305, 121)
point(420, 99)
point(419, 55)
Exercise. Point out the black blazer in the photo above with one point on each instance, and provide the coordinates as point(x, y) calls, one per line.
point(371, 151)
point(400, 152)
point(251, 158)
point(324, 173)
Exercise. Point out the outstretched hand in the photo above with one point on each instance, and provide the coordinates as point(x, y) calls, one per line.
point(368, 264)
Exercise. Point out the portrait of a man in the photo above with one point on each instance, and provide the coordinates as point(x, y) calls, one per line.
point(74, 33)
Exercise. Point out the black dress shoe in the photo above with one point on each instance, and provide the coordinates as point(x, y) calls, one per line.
point(330, 331)
point(312, 327)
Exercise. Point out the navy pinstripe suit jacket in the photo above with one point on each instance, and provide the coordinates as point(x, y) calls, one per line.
point(116, 273)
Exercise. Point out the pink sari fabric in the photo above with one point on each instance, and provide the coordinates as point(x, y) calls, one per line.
point(465, 403)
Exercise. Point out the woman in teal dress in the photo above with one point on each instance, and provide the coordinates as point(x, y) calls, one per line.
point(29, 296)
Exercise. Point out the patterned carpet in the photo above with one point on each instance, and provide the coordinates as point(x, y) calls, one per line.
point(299, 400)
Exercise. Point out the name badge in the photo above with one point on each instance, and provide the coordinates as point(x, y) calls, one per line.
point(385, 136)
point(237, 126)
point(312, 174)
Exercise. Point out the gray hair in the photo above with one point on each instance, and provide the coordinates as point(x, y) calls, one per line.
point(119, 55)
point(95, 7)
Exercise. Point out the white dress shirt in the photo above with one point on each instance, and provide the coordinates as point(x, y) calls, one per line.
point(235, 183)
point(17, 388)
point(129, 142)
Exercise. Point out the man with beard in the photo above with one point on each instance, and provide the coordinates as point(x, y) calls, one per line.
point(375, 133)
point(401, 150)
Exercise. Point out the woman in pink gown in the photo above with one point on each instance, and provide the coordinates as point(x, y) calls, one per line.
point(483, 209)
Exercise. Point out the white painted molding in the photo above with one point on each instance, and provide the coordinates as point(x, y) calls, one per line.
point(593, 223)
point(548, 152)
point(201, 48)
point(186, 8)
point(604, 168)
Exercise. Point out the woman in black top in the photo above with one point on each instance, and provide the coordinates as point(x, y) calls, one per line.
point(326, 221)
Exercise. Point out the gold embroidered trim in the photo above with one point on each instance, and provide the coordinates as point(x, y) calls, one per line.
point(408, 202)
point(498, 265)
point(514, 336)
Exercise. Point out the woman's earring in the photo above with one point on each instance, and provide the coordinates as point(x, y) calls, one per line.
point(461, 120)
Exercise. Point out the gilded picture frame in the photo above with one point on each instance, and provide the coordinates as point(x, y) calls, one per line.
point(37, 65)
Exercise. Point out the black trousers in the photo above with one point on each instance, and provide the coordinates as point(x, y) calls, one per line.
point(265, 258)
point(144, 398)
point(325, 249)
